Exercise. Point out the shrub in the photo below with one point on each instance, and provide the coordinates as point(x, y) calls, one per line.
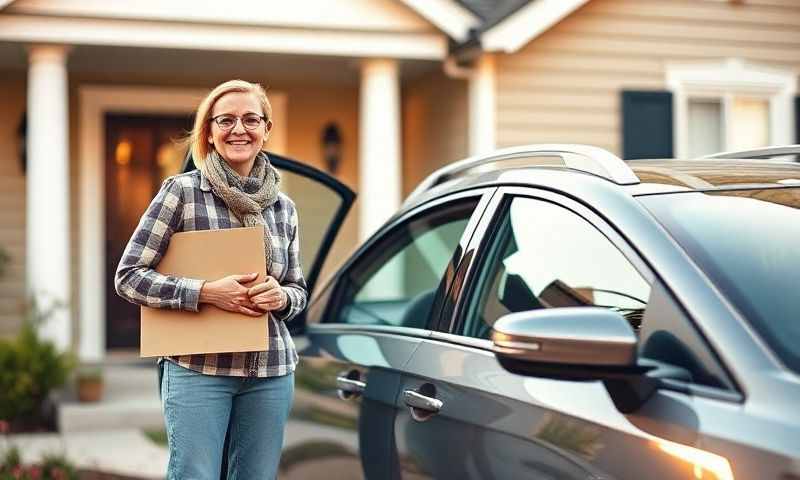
point(52, 467)
point(30, 369)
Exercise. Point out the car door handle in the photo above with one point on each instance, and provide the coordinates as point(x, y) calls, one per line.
point(417, 401)
point(350, 386)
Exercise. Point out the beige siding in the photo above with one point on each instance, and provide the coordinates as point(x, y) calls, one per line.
point(565, 85)
point(434, 125)
point(12, 203)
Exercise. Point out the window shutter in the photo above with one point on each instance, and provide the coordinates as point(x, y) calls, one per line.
point(797, 120)
point(646, 124)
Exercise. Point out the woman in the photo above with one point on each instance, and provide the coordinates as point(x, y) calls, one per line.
point(249, 393)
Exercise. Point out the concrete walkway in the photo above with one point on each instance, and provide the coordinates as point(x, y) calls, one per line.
point(122, 452)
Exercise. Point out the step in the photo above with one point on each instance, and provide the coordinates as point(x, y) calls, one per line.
point(130, 400)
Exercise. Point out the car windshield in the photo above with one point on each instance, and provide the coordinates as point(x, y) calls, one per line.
point(746, 241)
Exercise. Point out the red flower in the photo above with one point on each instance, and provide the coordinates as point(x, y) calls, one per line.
point(35, 473)
point(4, 427)
point(17, 472)
point(58, 474)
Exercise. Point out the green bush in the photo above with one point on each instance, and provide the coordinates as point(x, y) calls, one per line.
point(52, 467)
point(30, 369)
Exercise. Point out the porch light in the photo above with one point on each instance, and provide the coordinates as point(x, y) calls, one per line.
point(122, 153)
point(331, 147)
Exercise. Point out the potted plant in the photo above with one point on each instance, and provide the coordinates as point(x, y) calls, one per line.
point(90, 384)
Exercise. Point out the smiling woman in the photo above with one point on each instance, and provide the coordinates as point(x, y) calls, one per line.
point(204, 395)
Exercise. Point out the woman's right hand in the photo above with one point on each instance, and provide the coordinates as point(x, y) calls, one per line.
point(229, 294)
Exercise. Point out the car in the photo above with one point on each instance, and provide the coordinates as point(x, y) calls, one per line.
point(551, 311)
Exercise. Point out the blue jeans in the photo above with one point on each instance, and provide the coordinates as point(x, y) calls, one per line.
point(198, 410)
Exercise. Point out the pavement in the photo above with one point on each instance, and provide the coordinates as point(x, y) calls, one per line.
point(108, 435)
point(125, 452)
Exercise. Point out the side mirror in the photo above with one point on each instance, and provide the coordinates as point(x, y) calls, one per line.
point(579, 343)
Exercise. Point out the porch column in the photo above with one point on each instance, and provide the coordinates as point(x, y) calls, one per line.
point(48, 214)
point(482, 106)
point(380, 180)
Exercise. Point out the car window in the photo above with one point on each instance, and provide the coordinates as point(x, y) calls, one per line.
point(395, 283)
point(546, 256)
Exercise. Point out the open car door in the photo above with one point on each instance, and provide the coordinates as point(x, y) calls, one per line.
point(322, 204)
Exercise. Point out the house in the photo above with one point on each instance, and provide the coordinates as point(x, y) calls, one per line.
point(407, 85)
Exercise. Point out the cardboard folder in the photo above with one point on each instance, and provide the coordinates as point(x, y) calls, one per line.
point(207, 255)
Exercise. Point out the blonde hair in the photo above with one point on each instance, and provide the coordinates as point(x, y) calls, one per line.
point(198, 138)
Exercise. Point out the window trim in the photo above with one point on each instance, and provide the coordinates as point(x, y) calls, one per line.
point(387, 232)
point(724, 80)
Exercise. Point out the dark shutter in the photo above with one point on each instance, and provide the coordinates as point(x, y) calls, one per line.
point(797, 120)
point(646, 125)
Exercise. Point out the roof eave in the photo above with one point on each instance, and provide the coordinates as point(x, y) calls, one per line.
point(527, 23)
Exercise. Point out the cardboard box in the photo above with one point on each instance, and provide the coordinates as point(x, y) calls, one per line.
point(207, 255)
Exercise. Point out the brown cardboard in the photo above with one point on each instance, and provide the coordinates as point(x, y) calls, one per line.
point(207, 255)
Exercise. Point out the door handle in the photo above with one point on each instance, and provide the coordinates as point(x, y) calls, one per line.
point(421, 406)
point(349, 387)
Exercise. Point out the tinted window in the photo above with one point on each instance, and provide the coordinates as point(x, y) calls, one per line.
point(548, 257)
point(746, 243)
point(395, 283)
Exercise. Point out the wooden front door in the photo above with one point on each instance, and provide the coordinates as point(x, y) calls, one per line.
point(141, 151)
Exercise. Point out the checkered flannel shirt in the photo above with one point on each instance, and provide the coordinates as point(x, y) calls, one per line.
point(184, 203)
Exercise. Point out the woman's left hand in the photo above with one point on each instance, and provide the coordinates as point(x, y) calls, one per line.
point(268, 296)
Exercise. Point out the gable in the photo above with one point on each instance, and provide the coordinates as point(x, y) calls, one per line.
point(369, 15)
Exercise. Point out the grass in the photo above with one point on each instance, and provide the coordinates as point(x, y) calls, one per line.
point(157, 436)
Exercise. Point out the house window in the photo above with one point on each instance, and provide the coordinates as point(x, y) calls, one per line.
point(730, 105)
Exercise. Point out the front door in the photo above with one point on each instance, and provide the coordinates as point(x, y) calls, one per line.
point(141, 151)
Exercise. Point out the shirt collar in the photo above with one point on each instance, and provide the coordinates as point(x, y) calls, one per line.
point(204, 183)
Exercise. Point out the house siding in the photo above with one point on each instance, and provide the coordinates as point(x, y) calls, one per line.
point(564, 86)
point(435, 125)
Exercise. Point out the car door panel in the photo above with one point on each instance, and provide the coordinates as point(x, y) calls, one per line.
point(495, 424)
point(345, 402)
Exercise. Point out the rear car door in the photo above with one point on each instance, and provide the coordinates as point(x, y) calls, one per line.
point(541, 250)
point(363, 327)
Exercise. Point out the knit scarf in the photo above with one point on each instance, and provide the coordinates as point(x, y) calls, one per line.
point(247, 197)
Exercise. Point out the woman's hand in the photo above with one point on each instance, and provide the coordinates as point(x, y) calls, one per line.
point(229, 294)
point(268, 296)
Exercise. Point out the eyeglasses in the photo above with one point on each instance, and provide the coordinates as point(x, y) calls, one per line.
point(226, 121)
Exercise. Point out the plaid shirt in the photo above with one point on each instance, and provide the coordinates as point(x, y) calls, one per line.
point(185, 203)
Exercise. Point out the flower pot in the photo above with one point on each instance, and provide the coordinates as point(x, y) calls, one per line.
point(90, 390)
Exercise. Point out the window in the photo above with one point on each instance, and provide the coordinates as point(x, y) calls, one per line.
point(730, 105)
point(396, 282)
point(546, 256)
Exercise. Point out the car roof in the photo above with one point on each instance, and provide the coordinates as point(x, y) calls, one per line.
point(528, 164)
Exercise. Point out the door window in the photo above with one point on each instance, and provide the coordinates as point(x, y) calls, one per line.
point(396, 282)
point(546, 256)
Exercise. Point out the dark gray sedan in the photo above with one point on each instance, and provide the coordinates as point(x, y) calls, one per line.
point(553, 312)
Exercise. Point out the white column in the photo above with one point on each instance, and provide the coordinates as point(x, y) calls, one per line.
point(47, 216)
point(380, 180)
point(482, 105)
